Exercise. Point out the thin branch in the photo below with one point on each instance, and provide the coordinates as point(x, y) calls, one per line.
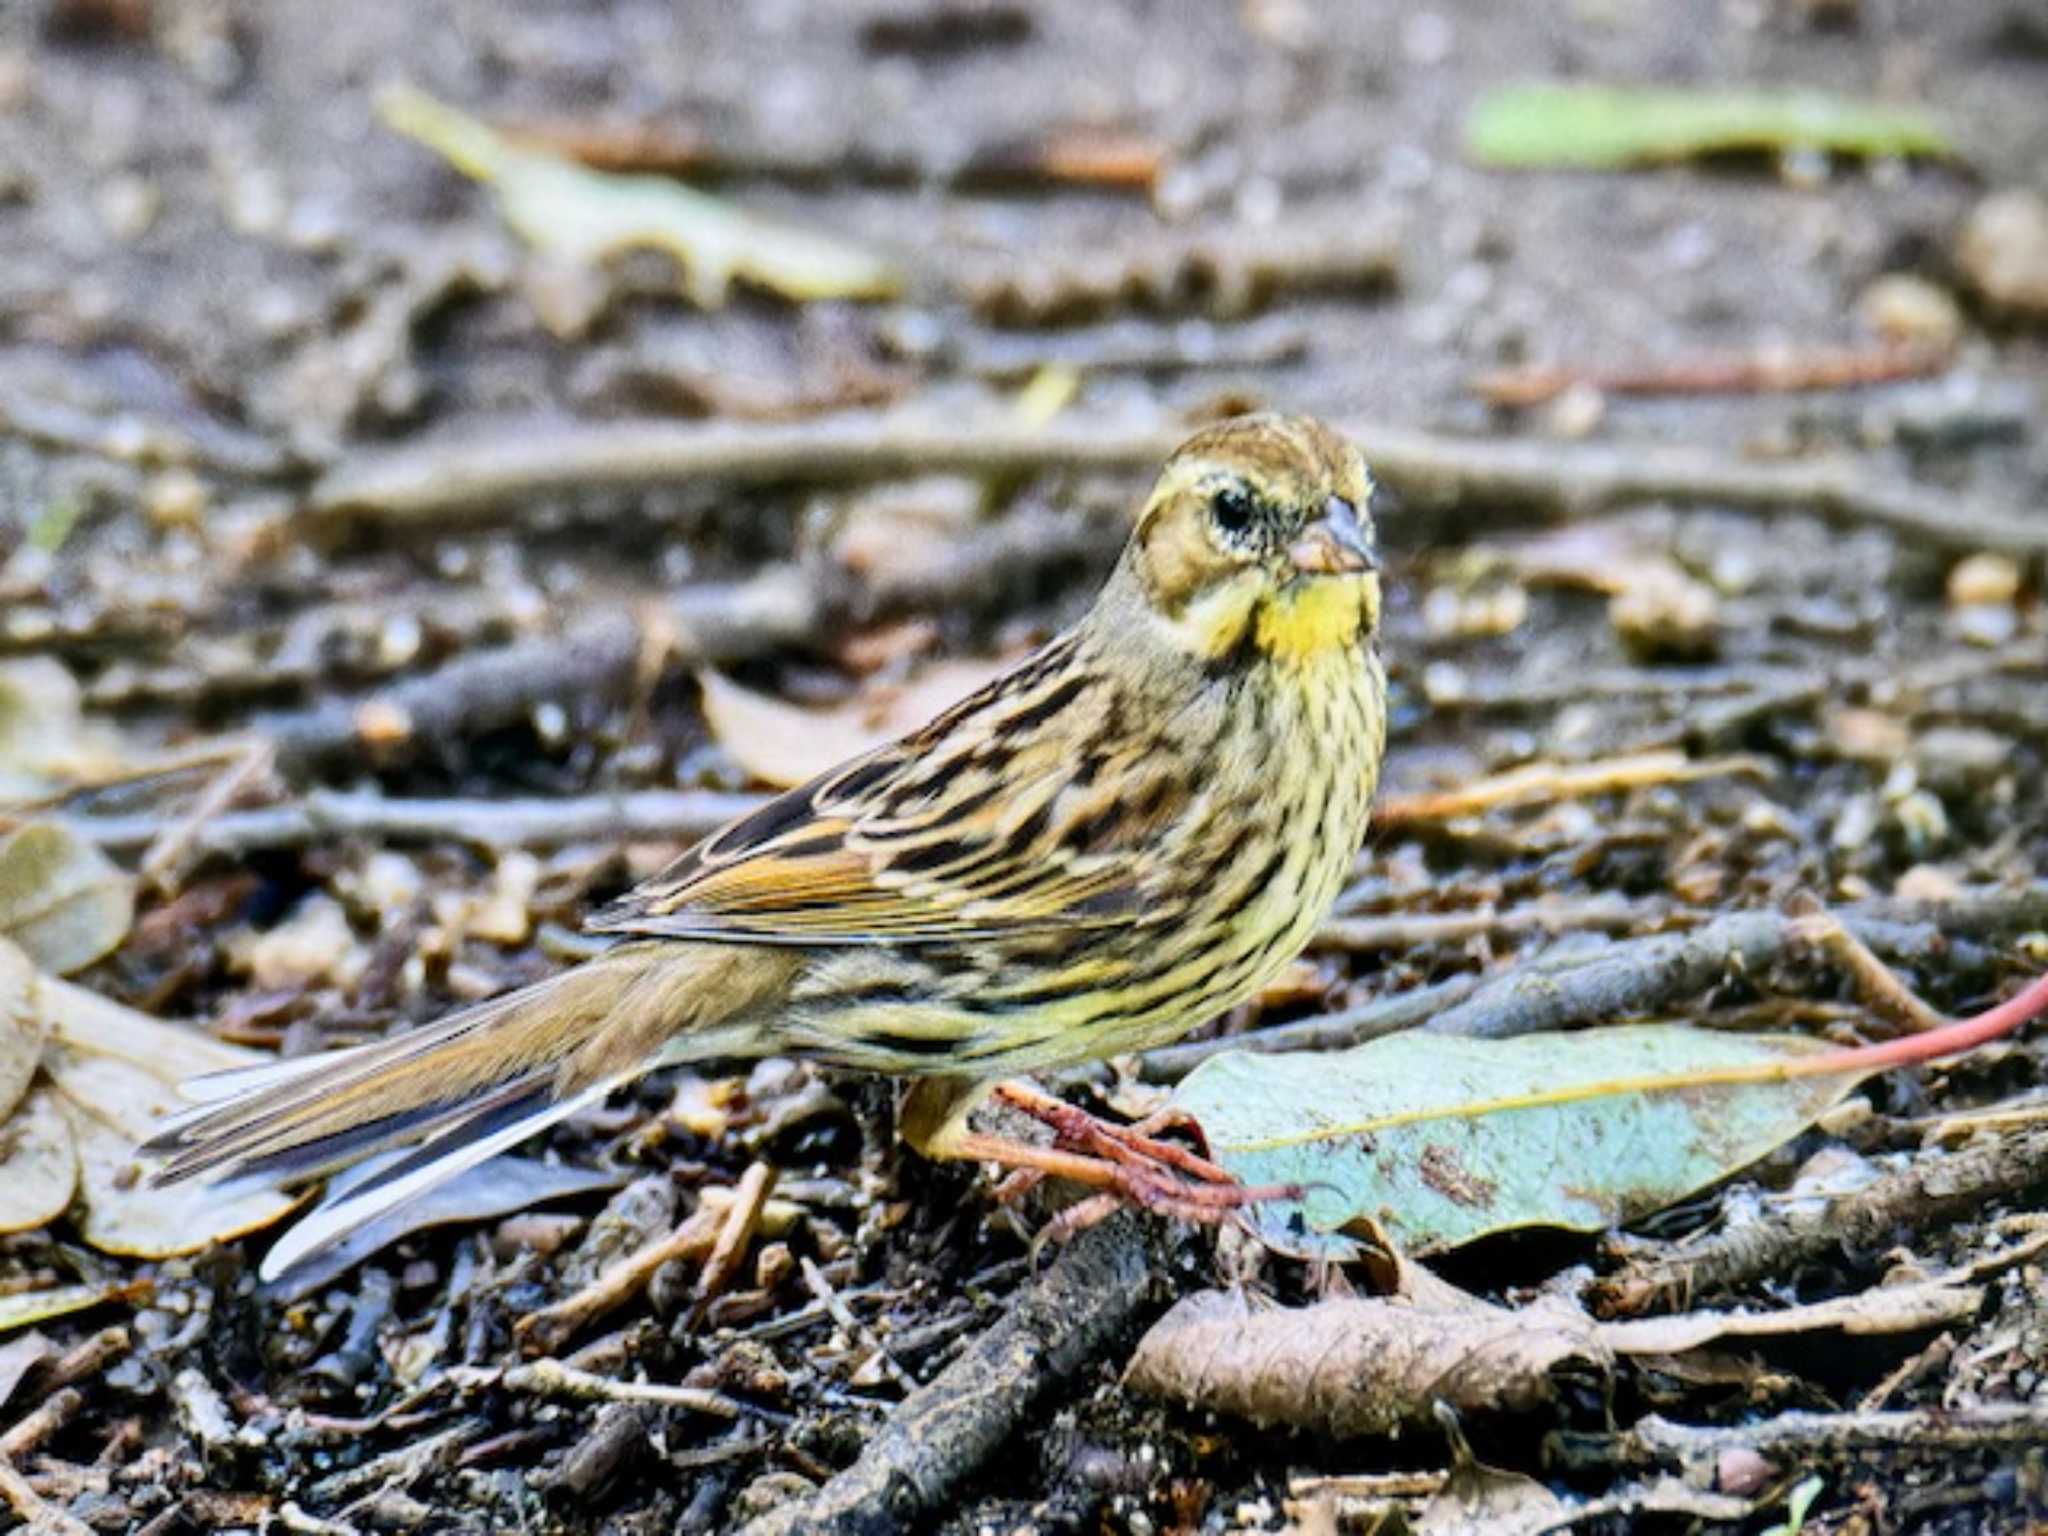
point(653, 815)
point(945, 1431)
point(496, 474)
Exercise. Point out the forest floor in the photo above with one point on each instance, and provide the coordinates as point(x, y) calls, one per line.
point(359, 564)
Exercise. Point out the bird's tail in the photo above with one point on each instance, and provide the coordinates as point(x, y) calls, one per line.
point(439, 1100)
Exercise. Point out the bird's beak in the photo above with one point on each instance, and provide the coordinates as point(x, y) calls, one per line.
point(1334, 544)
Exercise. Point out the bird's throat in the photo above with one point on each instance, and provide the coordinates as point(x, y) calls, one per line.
point(1307, 620)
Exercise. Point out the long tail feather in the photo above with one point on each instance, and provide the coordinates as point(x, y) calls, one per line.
point(492, 1129)
point(454, 1093)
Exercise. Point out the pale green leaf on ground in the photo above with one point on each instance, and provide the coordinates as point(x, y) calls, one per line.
point(1602, 127)
point(81, 1018)
point(110, 1105)
point(584, 216)
point(45, 739)
point(21, 1027)
point(38, 1165)
point(62, 901)
point(1437, 1141)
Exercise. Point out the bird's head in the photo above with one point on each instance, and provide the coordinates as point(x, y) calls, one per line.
point(1258, 542)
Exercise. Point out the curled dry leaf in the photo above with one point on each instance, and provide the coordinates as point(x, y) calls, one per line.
point(582, 216)
point(1365, 1366)
point(62, 900)
point(1361, 1365)
point(784, 745)
point(1437, 1141)
point(1478, 1500)
point(20, 1356)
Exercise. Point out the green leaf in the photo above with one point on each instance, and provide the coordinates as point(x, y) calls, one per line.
point(61, 899)
point(583, 216)
point(1601, 127)
point(1438, 1141)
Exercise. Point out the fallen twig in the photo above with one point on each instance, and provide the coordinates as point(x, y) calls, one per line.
point(1543, 783)
point(655, 815)
point(551, 1378)
point(1413, 930)
point(1803, 1437)
point(165, 861)
point(695, 1237)
point(40, 1516)
point(736, 1231)
point(1779, 371)
point(498, 474)
point(943, 1432)
point(842, 1314)
point(600, 657)
point(1638, 976)
point(1631, 976)
point(1936, 1187)
point(547, 1330)
point(33, 1428)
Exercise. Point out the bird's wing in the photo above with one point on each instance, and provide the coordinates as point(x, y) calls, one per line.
point(1014, 810)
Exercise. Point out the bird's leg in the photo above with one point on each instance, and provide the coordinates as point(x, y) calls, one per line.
point(1075, 1127)
point(1153, 1175)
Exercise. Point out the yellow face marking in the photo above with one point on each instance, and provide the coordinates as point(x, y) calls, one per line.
point(1308, 619)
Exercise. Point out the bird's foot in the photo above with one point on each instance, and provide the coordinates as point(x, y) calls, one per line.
point(1130, 1164)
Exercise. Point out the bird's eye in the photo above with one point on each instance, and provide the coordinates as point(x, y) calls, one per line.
point(1234, 510)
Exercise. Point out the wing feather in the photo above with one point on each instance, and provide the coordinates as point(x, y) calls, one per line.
point(958, 831)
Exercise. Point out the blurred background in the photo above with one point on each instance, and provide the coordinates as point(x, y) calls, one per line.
point(453, 453)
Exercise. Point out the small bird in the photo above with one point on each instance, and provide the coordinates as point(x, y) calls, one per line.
point(1126, 834)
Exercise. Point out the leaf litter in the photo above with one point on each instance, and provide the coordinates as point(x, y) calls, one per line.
point(1580, 724)
point(1436, 1142)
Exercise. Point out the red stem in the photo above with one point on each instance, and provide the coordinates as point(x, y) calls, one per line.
point(1949, 1040)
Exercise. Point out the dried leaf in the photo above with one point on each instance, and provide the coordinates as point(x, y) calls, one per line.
point(115, 1073)
point(1910, 1308)
point(784, 745)
point(27, 1307)
point(45, 739)
point(1360, 1365)
point(38, 1165)
point(20, 1356)
point(110, 1106)
point(582, 216)
point(93, 1025)
point(21, 1029)
point(1478, 1500)
point(494, 1188)
point(1600, 127)
point(62, 900)
point(1437, 1140)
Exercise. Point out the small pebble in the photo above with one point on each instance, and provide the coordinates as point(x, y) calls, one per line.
point(1742, 1470)
point(1911, 311)
point(1984, 578)
point(2003, 250)
point(175, 499)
